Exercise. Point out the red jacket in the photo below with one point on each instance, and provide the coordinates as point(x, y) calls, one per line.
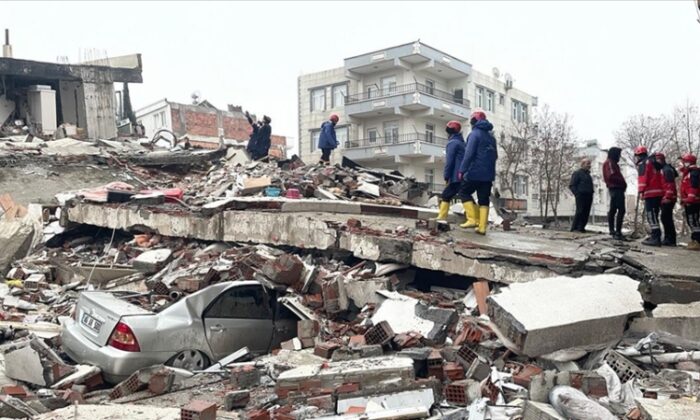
point(669, 181)
point(690, 185)
point(650, 180)
point(613, 176)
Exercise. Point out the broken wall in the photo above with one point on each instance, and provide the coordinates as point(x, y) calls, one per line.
point(71, 103)
point(100, 110)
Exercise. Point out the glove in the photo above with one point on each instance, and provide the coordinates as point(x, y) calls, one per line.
point(460, 176)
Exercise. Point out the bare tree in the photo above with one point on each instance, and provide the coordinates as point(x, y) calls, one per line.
point(641, 130)
point(552, 149)
point(513, 157)
point(685, 134)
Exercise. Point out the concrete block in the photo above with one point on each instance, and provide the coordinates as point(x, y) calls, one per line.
point(377, 248)
point(152, 261)
point(582, 311)
point(679, 319)
point(236, 399)
point(362, 292)
point(668, 409)
point(245, 377)
point(540, 411)
point(285, 269)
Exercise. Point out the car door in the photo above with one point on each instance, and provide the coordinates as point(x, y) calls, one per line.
point(241, 316)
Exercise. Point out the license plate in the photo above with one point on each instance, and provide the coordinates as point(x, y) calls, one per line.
point(92, 323)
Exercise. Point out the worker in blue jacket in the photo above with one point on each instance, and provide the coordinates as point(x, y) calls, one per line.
point(326, 140)
point(454, 152)
point(478, 171)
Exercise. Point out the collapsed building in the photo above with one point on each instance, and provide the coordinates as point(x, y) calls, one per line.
point(39, 97)
point(365, 306)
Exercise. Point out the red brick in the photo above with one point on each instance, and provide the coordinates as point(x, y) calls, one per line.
point(198, 410)
point(326, 349)
point(379, 334)
point(258, 415)
point(348, 388)
point(453, 371)
point(524, 375)
point(72, 396)
point(456, 393)
point(357, 341)
point(16, 391)
point(324, 402)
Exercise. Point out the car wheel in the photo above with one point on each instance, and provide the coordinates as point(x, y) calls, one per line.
point(189, 360)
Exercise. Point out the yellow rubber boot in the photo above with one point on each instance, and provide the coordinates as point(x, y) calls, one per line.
point(694, 245)
point(443, 210)
point(470, 211)
point(483, 220)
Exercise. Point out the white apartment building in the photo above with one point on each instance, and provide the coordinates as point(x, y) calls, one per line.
point(394, 103)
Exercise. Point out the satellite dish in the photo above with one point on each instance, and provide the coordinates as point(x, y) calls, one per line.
point(195, 96)
point(496, 72)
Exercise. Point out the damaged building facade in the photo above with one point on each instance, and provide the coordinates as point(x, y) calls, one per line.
point(42, 96)
point(203, 124)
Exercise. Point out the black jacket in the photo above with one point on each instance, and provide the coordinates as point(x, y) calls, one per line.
point(264, 134)
point(581, 182)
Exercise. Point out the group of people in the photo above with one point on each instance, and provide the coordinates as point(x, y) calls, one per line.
point(470, 166)
point(260, 137)
point(656, 185)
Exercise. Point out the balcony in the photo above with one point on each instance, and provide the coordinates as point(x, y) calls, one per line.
point(409, 145)
point(405, 99)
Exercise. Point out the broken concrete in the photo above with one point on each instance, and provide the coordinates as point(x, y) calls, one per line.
point(678, 319)
point(15, 241)
point(405, 314)
point(668, 409)
point(581, 311)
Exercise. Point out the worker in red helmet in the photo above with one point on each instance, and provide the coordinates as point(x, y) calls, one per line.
point(690, 197)
point(478, 171)
point(327, 140)
point(668, 200)
point(454, 152)
point(651, 188)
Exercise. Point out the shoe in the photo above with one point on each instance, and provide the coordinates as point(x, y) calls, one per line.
point(470, 212)
point(483, 220)
point(652, 240)
point(694, 245)
point(443, 210)
point(618, 236)
point(667, 242)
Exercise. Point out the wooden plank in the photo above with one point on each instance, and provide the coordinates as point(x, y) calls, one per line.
point(481, 291)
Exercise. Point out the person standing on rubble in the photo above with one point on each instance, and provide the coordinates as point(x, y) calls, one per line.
point(690, 198)
point(253, 140)
point(327, 140)
point(581, 187)
point(650, 185)
point(264, 137)
point(615, 181)
point(454, 153)
point(478, 171)
point(668, 200)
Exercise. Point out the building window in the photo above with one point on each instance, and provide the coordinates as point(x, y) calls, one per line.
point(388, 85)
point(429, 86)
point(430, 133)
point(458, 96)
point(391, 132)
point(372, 135)
point(430, 176)
point(341, 134)
point(518, 111)
point(339, 93)
point(318, 99)
point(501, 99)
point(315, 135)
point(480, 97)
point(372, 91)
point(520, 185)
point(490, 96)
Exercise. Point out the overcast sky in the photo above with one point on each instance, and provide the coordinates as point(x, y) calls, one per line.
point(598, 61)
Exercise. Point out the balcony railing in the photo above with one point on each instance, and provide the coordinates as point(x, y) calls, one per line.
point(404, 89)
point(514, 204)
point(396, 139)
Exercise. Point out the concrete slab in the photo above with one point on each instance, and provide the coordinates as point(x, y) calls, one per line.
point(678, 319)
point(540, 411)
point(405, 314)
point(15, 241)
point(674, 274)
point(303, 230)
point(112, 411)
point(668, 409)
point(562, 312)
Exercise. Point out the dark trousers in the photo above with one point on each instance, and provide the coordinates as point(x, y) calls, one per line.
point(450, 191)
point(482, 188)
point(326, 155)
point(692, 216)
point(652, 208)
point(583, 209)
point(616, 214)
point(667, 222)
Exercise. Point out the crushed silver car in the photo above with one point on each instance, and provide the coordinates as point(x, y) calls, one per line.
point(192, 333)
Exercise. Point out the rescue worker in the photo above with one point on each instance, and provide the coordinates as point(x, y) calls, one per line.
point(690, 198)
point(615, 181)
point(327, 140)
point(651, 187)
point(668, 201)
point(264, 137)
point(478, 171)
point(253, 140)
point(454, 153)
point(581, 186)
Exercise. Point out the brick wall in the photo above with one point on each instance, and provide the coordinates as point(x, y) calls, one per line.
point(236, 128)
point(201, 124)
